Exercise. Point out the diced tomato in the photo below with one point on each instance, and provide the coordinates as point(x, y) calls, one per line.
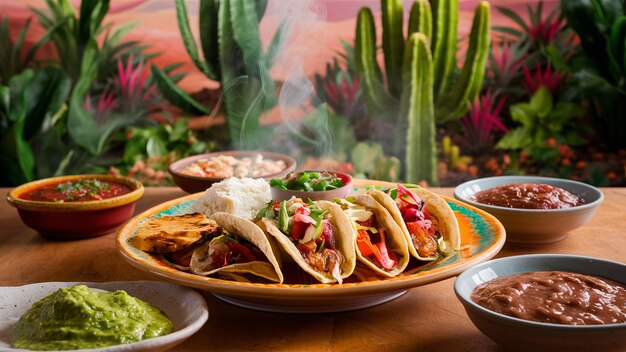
point(298, 229)
point(238, 249)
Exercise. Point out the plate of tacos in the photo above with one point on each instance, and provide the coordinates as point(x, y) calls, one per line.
point(303, 256)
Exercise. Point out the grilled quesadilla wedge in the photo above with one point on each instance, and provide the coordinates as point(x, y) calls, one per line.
point(169, 234)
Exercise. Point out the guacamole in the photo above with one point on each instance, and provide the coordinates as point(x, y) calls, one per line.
point(78, 317)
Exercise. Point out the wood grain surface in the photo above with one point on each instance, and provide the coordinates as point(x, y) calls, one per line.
point(428, 318)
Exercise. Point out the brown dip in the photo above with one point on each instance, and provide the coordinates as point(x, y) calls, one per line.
point(528, 196)
point(556, 297)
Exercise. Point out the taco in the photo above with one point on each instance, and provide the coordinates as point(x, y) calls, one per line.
point(242, 250)
point(380, 244)
point(427, 221)
point(315, 234)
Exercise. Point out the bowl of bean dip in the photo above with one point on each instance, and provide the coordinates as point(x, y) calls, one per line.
point(533, 209)
point(197, 173)
point(547, 302)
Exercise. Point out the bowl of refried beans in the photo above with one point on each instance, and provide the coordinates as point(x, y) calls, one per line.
point(547, 302)
point(533, 209)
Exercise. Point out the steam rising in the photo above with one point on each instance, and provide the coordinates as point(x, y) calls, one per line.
point(294, 100)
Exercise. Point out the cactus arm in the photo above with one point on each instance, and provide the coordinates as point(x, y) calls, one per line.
point(245, 29)
point(443, 43)
point(366, 65)
point(393, 44)
point(188, 39)
point(208, 35)
point(471, 78)
point(174, 94)
point(421, 19)
point(261, 6)
point(417, 105)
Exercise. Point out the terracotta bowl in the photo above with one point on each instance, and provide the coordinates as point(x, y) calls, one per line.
point(195, 184)
point(341, 192)
point(75, 220)
point(520, 334)
point(535, 226)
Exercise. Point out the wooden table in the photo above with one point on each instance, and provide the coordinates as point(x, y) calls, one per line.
point(428, 318)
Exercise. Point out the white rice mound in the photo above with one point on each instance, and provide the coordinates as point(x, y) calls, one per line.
point(238, 196)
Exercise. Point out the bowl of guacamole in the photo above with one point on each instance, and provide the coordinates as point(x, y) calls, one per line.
point(135, 316)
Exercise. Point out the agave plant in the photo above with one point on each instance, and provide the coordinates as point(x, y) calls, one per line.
point(340, 87)
point(541, 78)
point(11, 52)
point(231, 45)
point(503, 70)
point(540, 33)
point(482, 121)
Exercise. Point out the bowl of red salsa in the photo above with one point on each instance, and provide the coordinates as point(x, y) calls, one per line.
point(76, 206)
point(533, 209)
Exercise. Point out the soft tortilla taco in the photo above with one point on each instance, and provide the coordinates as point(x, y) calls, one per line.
point(380, 244)
point(427, 221)
point(243, 249)
point(315, 234)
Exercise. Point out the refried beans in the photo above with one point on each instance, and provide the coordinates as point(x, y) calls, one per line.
point(528, 196)
point(555, 297)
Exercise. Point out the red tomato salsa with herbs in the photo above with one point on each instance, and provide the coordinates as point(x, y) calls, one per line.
point(81, 190)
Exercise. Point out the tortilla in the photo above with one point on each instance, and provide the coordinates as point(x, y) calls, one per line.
point(394, 239)
point(436, 206)
point(245, 229)
point(344, 242)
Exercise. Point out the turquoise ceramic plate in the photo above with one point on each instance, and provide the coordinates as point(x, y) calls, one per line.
point(482, 237)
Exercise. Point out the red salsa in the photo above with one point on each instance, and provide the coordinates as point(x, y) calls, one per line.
point(77, 191)
point(528, 196)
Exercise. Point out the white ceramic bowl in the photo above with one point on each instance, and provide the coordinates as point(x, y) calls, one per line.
point(514, 333)
point(535, 226)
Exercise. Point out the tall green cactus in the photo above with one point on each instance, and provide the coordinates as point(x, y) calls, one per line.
point(418, 105)
point(231, 54)
point(427, 89)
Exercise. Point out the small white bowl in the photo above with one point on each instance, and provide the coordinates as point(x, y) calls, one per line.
point(528, 335)
point(535, 226)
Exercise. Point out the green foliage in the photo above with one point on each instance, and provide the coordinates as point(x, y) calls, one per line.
point(13, 62)
point(164, 141)
point(32, 107)
point(232, 51)
point(540, 119)
point(599, 67)
point(370, 162)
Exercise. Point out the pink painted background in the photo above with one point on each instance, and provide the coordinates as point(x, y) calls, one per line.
point(316, 28)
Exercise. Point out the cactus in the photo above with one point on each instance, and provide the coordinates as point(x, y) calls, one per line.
point(427, 90)
point(417, 104)
point(231, 47)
